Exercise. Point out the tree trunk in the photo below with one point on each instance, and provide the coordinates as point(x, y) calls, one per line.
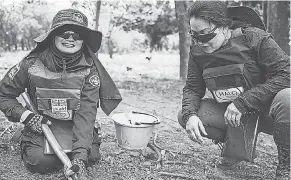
point(184, 39)
point(98, 6)
point(278, 23)
point(22, 44)
point(265, 12)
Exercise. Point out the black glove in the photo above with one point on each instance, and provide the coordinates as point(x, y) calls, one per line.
point(78, 170)
point(34, 121)
point(82, 170)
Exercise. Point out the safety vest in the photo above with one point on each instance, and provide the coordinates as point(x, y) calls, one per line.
point(227, 73)
point(57, 93)
point(230, 70)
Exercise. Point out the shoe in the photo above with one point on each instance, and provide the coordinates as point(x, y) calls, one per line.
point(228, 163)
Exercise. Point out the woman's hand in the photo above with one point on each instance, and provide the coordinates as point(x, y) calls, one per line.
point(232, 115)
point(193, 127)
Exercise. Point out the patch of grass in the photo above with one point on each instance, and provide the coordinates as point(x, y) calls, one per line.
point(153, 87)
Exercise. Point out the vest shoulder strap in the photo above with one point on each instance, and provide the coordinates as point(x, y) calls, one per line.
point(256, 31)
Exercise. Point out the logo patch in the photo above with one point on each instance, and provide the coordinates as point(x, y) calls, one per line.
point(227, 95)
point(94, 80)
point(78, 17)
point(13, 71)
point(59, 115)
point(59, 105)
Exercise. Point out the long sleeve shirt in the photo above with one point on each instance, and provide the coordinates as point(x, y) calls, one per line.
point(272, 61)
point(18, 79)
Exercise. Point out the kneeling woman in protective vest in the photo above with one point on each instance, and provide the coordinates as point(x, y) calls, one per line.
point(65, 81)
point(248, 75)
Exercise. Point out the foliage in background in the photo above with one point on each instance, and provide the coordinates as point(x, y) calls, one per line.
point(21, 22)
point(155, 20)
point(150, 22)
point(133, 26)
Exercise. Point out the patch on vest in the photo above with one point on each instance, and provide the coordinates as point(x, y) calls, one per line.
point(13, 71)
point(94, 80)
point(59, 105)
point(66, 115)
point(227, 95)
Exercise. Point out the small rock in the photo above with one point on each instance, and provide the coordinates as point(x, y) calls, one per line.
point(147, 163)
point(112, 160)
point(107, 159)
point(134, 153)
point(114, 154)
point(118, 172)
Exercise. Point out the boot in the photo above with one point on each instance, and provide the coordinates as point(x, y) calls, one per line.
point(229, 163)
point(283, 168)
point(282, 140)
point(240, 142)
point(226, 163)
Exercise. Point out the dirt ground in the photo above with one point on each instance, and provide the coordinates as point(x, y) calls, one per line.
point(151, 87)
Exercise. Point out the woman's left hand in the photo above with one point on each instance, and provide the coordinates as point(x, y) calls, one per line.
point(232, 116)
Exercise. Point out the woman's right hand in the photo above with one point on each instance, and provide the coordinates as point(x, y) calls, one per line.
point(193, 127)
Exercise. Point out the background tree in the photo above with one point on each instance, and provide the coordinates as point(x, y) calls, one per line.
point(148, 24)
point(278, 22)
point(22, 22)
point(276, 16)
point(156, 20)
point(98, 6)
point(184, 38)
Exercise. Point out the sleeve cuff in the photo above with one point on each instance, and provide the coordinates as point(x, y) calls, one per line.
point(185, 119)
point(81, 155)
point(239, 104)
point(24, 115)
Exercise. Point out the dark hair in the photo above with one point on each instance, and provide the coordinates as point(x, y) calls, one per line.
point(214, 12)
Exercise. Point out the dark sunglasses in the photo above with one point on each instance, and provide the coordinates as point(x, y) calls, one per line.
point(68, 34)
point(204, 38)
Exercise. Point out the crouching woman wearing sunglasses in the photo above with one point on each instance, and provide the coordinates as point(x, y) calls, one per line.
point(248, 75)
point(65, 81)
